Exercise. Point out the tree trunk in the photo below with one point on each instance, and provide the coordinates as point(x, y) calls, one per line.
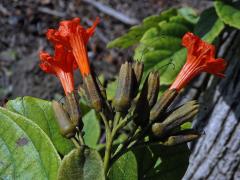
point(216, 154)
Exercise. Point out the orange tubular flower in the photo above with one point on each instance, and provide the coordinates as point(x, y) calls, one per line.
point(200, 58)
point(75, 38)
point(61, 65)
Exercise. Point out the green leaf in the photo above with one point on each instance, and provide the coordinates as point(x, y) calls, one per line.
point(169, 72)
point(150, 33)
point(91, 129)
point(161, 162)
point(84, 106)
point(209, 26)
point(124, 168)
point(165, 15)
point(189, 14)
point(129, 39)
point(187, 125)
point(163, 42)
point(173, 29)
point(111, 89)
point(26, 152)
point(181, 20)
point(136, 32)
point(229, 14)
point(41, 113)
point(145, 160)
point(169, 64)
point(82, 164)
point(151, 58)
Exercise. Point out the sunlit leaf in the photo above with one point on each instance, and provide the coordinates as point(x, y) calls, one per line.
point(125, 168)
point(41, 112)
point(136, 32)
point(229, 14)
point(26, 152)
point(91, 129)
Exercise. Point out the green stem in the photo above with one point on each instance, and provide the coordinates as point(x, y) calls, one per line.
point(105, 121)
point(81, 140)
point(75, 142)
point(107, 154)
point(110, 135)
point(116, 119)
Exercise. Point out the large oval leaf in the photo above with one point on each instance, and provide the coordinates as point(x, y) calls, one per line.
point(41, 113)
point(228, 14)
point(26, 152)
point(81, 164)
point(124, 168)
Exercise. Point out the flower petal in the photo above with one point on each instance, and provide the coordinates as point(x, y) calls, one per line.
point(200, 58)
point(216, 66)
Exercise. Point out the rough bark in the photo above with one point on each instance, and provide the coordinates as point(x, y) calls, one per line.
point(216, 155)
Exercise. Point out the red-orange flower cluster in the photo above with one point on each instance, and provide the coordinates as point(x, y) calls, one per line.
point(200, 58)
point(70, 41)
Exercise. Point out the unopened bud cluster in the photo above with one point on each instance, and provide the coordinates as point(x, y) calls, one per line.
point(152, 111)
point(132, 97)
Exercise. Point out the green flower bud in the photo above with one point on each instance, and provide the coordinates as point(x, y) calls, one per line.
point(158, 129)
point(124, 93)
point(147, 98)
point(178, 117)
point(153, 88)
point(101, 88)
point(67, 129)
point(180, 139)
point(184, 113)
point(162, 104)
point(138, 71)
point(82, 93)
point(92, 92)
point(73, 109)
point(142, 109)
